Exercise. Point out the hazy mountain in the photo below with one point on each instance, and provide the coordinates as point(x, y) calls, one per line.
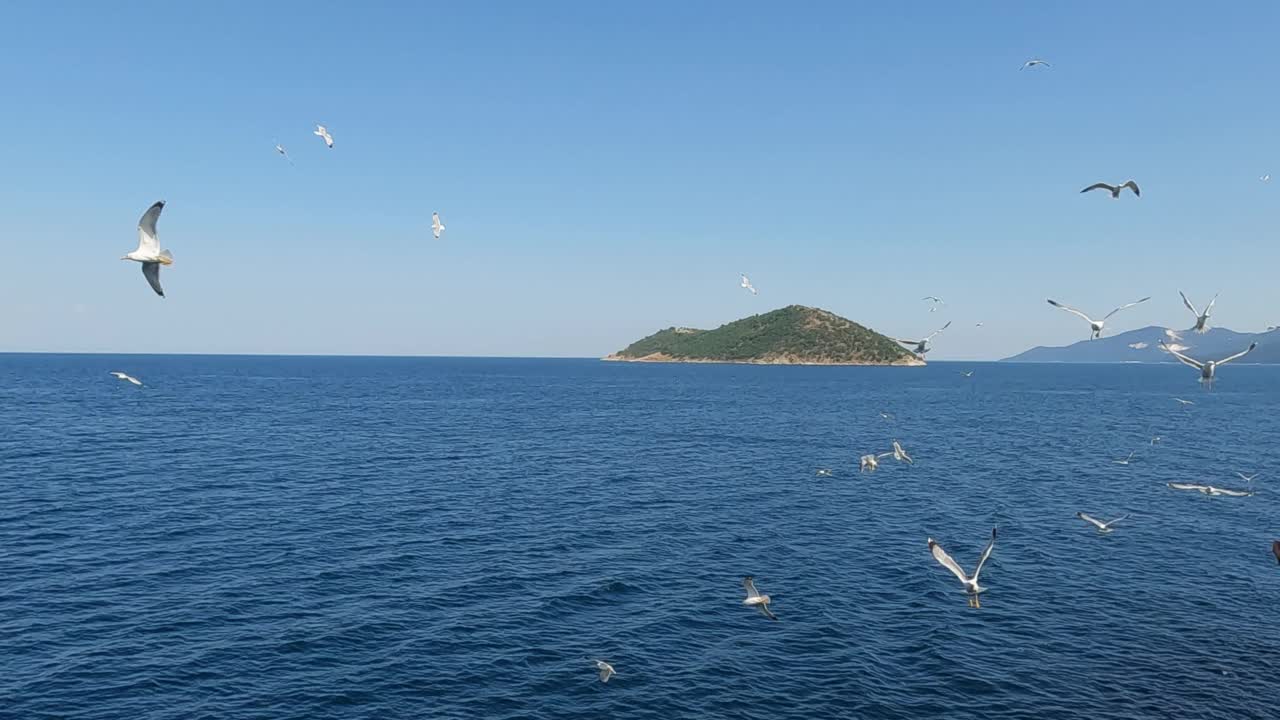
point(1215, 344)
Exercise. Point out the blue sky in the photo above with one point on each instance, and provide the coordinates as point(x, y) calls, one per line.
point(606, 170)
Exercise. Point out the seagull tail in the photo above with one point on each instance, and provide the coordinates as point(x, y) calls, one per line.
point(166, 257)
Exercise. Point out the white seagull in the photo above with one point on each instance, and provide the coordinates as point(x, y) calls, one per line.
point(920, 347)
point(1172, 334)
point(280, 149)
point(437, 227)
point(935, 300)
point(1266, 178)
point(323, 132)
point(755, 598)
point(901, 455)
point(149, 252)
point(1202, 318)
point(746, 284)
point(1247, 478)
point(1182, 402)
point(824, 472)
point(1209, 489)
point(869, 463)
point(1096, 325)
point(129, 378)
point(606, 670)
point(1103, 527)
point(1034, 62)
point(1115, 189)
point(1207, 368)
point(1139, 345)
point(1127, 460)
point(967, 374)
point(970, 583)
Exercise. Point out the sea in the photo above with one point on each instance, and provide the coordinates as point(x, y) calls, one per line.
point(307, 538)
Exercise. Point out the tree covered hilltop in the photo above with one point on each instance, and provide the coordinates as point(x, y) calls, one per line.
point(793, 335)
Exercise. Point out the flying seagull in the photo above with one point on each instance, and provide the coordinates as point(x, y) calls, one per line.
point(1172, 334)
point(1139, 345)
point(1207, 368)
point(1202, 318)
point(1115, 189)
point(323, 132)
point(756, 599)
point(967, 374)
point(935, 300)
point(1127, 460)
point(970, 583)
point(869, 463)
point(1182, 402)
point(1247, 478)
point(978, 325)
point(824, 472)
point(280, 149)
point(1103, 527)
point(746, 284)
point(1209, 489)
point(1266, 178)
point(606, 670)
point(122, 376)
point(922, 346)
point(1034, 62)
point(1096, 325)
point(901, 455)
point(149, 252)
point(437, 227)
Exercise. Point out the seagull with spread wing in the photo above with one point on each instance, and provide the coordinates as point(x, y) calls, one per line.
point(606, 670)
point(1127, 460)
point(1095, 326)
point(920, 347)
point(1247, 478)
point(1209, 489)
point(1202, 318)
point(901, 455)
point(935, 300)
point(1034, 62)
point(149, 252)
point(437, 227)
point(323, 133)
point(1207, 368)
point(1103, 526)
point(755, 598)
point(127, 378)
point(1115, 189)
point(746, 284)
point(970, 582)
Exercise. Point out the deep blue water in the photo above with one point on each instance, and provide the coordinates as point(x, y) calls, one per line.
point(312, 538)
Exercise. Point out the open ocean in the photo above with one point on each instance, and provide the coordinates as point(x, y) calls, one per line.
point(296, 538)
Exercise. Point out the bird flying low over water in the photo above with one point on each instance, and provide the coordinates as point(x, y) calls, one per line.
point(970, 583)
point(1115, 189)
point(1182, 402)
point(1202, 318)
point(746, 284)
point(606, 670)
point(1206, 368)
point(1096, 325)
point(1033, 62)
point(869, 463)
point(824, 472)
point(901, 455)
point(1103, 527)
point(149, 252)
point(323, 133)
point(755, 598)
point(437, 227)
point(920, 347)
point(1247, 478)
point(1126, 461)
point(128, 378)
point(1209, 489)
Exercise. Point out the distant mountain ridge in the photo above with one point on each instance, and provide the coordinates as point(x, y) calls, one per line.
point(1213, 345)
point(793, 335)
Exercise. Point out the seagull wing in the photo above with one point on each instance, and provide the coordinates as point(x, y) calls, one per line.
point(151, 271)
point(764, 608)
point(1109, 523)
point(1187, 486)
point(1238, 355)
point(1090, 519)
point(985, 554)
point(909, 343)
point(1129, 305)
point(1187, 302)
point(942, 557)
point(606, 671)
point(1132, 186)
point(1183, 359)
point(1099, 186)
point(1071, 310)
point(147, 241)
point(1234, 493)
point(1209, 309)
point(748, 582)
point(938, 331)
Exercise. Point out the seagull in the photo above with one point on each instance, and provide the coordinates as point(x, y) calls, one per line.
point(970, 583)
point(869, 463)
point(1096, 325)
point(323, 132)
point(1139, 345)
point(1115, 189)
point(978, 325)
point(280, 149)
point(1155, 439)
point(755, 598)
point(1207, 368)
point(1034, 62)
point(746, 283)
point(1127, 460)
point(935, 300)
point(922, 346)
point(1247, 478)
point(1103, 527)
point(1202, 318)
point(824, 472)
point(887, 417)
point(1209, 489)
point(1182, 402)
point(1178, 348)
point(967, 374)
point(1172, 334)
point(901, 455)
point(1266, 178)
point(149, 252)
point(122, 376)
point(437, 227)
point(606, 670)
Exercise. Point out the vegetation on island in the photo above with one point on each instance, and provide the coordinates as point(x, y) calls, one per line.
point(791, 335)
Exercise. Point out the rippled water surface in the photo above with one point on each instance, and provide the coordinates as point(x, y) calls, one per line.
point(312, 538)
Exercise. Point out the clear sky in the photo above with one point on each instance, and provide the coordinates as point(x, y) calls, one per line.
point(607, 169)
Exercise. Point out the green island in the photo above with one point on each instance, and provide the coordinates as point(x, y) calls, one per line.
point(793, 335)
